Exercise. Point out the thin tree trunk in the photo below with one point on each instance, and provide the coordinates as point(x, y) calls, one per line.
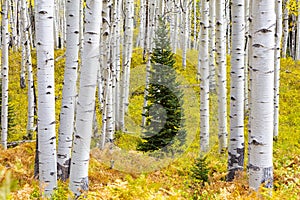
point(204, 82)
point(116, 60)
point(278, 38)
point(86, 98)
point(262, 95)
point(127, 54)
point(186, 13)
point(26, 61)
point(297, 57)
point(107, 70)
point(285, 29)
point(236, 145)
point(228, 24)
point(4, 73)
point(148, 65)
point(13, 24)
point(24, 34)
point(46, 96)
point(221, 64)
point(69, 92)
point(140, 40)
point(250, 67)
point(195, 25)
point(212, 45)
point(247, 45)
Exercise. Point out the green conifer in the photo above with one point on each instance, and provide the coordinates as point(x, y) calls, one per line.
point(164, 112)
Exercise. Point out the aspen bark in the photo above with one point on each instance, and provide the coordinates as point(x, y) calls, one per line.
point(46, 96)
point(285, 29)
point(26, 62)
point(221, 64)
point(69, 92)
point(278, 39)
point(204, 82)
point(127, 54)
point(262, 94)
point(86, 98)
point(186, 12)
point(4, 72)
point(236, 145)
point(297, 56)
point(212, 45)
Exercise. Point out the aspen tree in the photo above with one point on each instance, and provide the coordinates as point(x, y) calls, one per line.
point(24, 24)
point(212, 45)
point(278, 38)
point(262, 94)
point(204, 82)
point(174, 24)
point(195, 24)
point(285, 29)
point(13, 15)
point(148, 65)
point(4, 72)
point(221, 64)
point(26, 62)
point(46, 96)
point(106, 64)
point(86, 98)
point(126, 62)
point(236, 144)
point(297, 57)
point(186, 12)
point(69, 92)
point(140, 40)
point(23, 27)
point(228, 24)
point(247, 45)
point(116, 59)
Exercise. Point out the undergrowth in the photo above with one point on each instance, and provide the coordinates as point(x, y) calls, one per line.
point(174, 179)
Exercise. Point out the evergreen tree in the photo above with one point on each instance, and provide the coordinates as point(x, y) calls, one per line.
point(164, 113)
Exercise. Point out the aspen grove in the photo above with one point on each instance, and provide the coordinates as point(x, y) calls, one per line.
point(150, 99)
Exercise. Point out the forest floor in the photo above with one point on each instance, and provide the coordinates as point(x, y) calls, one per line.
point(139, 176)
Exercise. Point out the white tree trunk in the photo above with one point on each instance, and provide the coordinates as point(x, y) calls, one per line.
point(212, 45)
point(285, 29)
point(262, 97)
point(236, 144)
point(69, 92)
point(25, 41)
point(204, 82)
point(278, 38)
point(247, 45)
point(116, 60)
point(174, 25)
point(222, 80)
point(186, 28)
point(127, 54)
point(297, 57)
point(195, 24)
point(107, 74)
point(228, 24)
point(4, 72)
point(141, 37)
point(46, 96)
point(13, 23)
point(148, 65)
point(292, 37)
point(56, 25)
point(86, 98)
point(26, 62)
